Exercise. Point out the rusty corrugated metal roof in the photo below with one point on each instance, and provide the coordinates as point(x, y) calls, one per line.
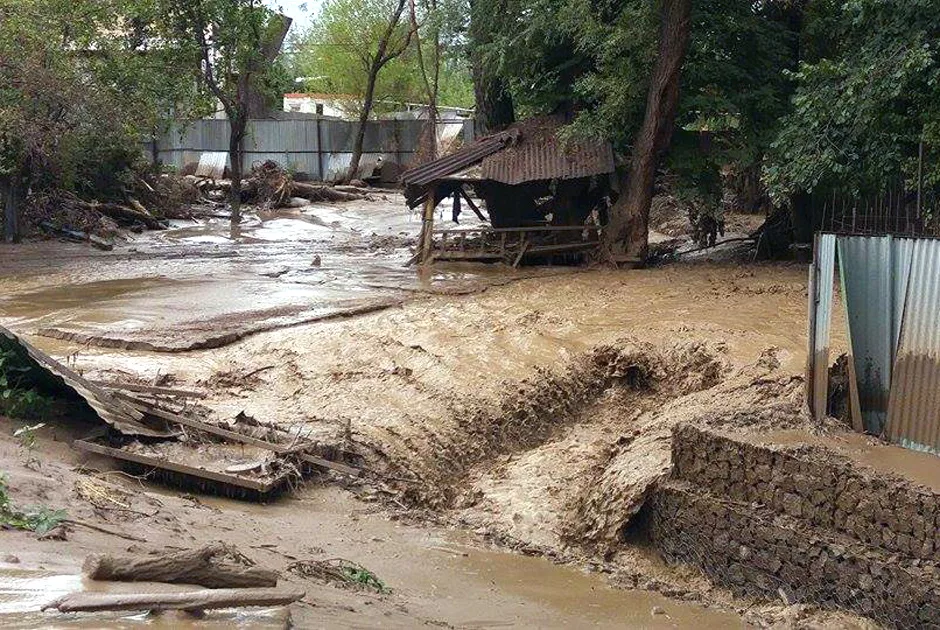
point(540, 154)
point(527, 151)
point(121, 416)
point(914, 408)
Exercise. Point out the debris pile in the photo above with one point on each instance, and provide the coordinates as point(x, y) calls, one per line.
point(270, 186)
point(162, 432)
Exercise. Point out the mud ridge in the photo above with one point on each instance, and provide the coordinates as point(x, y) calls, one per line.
point(533, 411)
point(208, 342)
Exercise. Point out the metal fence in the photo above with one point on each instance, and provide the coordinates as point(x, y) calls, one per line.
point(897, 209)
point(891, 296)
point(317, 147)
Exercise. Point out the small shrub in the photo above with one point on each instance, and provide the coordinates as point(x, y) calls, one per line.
point(39, 519)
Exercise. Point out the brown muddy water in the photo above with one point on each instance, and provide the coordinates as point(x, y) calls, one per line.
point(177, 289)
point(385, 376)
point(23, 593)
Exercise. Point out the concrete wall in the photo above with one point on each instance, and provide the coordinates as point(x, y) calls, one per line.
point(320, 148)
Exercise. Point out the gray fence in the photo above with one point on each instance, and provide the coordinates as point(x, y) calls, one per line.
point(320, 148)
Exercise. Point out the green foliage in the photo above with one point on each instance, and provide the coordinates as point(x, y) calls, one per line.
point(335, 54)
point(17, 398)
point(360, 576)
point(39, 519)
point(78, 88)
point(864, 101)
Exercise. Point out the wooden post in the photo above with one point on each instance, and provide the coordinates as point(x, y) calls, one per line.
point(427, 227)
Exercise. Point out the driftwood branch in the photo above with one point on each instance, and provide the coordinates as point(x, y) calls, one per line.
point(205, 599)
point(194, 566)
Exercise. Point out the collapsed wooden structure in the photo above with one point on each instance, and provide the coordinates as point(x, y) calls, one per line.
point(161, 432)
point(544, 196)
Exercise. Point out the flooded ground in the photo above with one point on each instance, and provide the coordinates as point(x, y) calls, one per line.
point(417, 372)
point(201, 285)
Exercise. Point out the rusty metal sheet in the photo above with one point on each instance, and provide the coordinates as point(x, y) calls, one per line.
point(821, 281)
point(873, 270)
point(57, 376)
point(542, 155)
point(914, 407)
point(455, 162)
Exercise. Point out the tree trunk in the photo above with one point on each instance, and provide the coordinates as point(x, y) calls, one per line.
point(208, 599)
point(494, 107)
point(9, 197)
point(627, 234)
point(236, 150)
point(194, 566)
point(363, 119)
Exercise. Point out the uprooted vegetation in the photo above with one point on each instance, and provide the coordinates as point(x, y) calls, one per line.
point(39, 519)
point(148, 200)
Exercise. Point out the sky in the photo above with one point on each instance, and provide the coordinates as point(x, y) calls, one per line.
point(301, 10)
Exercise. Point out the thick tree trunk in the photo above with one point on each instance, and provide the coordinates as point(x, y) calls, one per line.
point(627, 234)
point(236, 151)
point(10, 199)
point(363, 119)
point(195, 566)
point(494, 106)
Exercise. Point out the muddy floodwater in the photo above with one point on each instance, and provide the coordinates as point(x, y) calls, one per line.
point(311, 319)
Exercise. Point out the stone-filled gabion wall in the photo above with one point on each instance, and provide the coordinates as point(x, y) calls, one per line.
point(755, 552)
point(821, 489)
point(801, 524)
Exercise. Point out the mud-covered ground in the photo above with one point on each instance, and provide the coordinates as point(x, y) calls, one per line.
point(530, 409)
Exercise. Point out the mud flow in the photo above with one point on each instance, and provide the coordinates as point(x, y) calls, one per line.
point(513, 426)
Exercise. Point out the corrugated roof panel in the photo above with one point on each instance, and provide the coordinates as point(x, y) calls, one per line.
point(543, 156)
point(914, 411)
point(873, 284)
point(821, 281)
point(121, 416)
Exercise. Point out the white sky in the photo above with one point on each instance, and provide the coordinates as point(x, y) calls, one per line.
point(301, 10)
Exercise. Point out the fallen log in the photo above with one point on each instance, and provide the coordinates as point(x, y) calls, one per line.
point(124, 214)
point(78, 237)
point(314, 192)
point(194, 566)
point(205, 599)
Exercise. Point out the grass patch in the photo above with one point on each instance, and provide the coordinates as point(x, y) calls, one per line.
point(341, 573)
point(39, 519)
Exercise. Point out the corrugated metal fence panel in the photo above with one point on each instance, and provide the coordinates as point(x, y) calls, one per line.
point(867, 291)
point(821, 281)
point(300, 144)
point(914, 419)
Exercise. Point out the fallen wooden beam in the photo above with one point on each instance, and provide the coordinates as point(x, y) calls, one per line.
point(149, 389)
point(234, 436)
point(192, 566)
point(205, 599)
point(262, 487)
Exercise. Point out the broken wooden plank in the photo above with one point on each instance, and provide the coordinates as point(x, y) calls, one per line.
point(149, 389)
point(336, 466)
point(262, 487)
point(203, 599)
point(234, 436)
point(192, 566)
